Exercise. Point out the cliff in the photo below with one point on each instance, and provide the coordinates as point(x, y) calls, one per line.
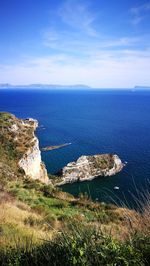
point(20, 147)
point(36, 218)
point(21, 155)
point(89, 167)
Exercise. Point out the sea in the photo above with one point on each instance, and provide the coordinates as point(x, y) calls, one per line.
point(94, 121)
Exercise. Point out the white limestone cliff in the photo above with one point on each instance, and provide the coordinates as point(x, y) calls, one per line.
point(31, 161)
point(32, 165)
point(21, 146)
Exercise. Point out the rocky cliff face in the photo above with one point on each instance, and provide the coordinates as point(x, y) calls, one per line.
point(31, 161)
point(21, 146)
point(89, 167)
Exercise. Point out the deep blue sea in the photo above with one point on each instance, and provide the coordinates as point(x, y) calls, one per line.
point(94, 121)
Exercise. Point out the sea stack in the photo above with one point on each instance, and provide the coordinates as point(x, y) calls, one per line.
point(89, 167)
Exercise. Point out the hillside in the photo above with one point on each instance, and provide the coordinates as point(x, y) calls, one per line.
point(41, 225)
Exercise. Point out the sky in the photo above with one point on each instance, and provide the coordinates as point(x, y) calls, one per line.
point(103, 44)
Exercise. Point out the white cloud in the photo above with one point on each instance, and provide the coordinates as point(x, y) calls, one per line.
point(77, 53)
point(137, 19)
point(76, 14)
point(81, 45)
point(122, 42)
point(141, 8)
point(122, 68)
point(139, 13)
point(79, 42)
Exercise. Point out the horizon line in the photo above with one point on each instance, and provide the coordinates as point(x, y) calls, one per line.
point(60, 86)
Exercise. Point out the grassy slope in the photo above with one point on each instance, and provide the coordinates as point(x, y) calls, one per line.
point(41, 225)
point(49, 209)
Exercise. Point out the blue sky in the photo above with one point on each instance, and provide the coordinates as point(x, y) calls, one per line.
point(93, 42)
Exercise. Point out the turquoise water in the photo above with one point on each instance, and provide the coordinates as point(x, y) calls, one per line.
point(94, 121)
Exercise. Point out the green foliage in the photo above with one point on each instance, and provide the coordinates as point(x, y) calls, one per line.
point(5, 116)
point(11, 151)
point(5, 119)
point(40, 198)
point(142, 242)
point(80, 247)
point(80, 244)
point(31, 221)
point(7, 150)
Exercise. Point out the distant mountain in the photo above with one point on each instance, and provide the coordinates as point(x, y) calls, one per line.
point(45, 86)
point(142, 87)
point(4, 85)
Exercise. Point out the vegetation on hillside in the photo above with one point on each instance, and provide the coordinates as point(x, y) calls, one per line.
point(16, 135)
point(41, 225)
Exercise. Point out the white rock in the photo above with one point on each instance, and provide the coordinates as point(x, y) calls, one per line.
point(89, 167)
point(14, 128)
point(31, 161)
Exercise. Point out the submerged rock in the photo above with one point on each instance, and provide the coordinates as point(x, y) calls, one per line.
point(55, 147)
point(89, 167)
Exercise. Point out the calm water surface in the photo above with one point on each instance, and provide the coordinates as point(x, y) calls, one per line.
point(94, 121)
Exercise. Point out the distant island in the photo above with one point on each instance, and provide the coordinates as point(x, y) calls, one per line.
point(142, 87)
point(58, 86)
point(43, 86)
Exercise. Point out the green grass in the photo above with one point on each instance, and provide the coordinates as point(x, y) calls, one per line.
point(23, 136)
point(41, 198)
point(81, 247)
point(5, 119)
point(46, 200)
point(81, 232)
point(80, 240)
point(5, 115)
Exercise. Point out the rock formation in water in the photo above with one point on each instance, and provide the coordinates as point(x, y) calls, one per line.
point(21, 147)
point(89, 167)
point(20, 154)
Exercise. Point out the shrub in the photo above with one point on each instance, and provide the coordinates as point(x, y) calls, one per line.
point(32, 221)
point(81, 247)
point(47, 190)
point(50, 219)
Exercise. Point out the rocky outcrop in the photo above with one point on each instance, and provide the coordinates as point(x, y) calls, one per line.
point(31, 161)
point(22, 146)
point(89, 167)
point(32, 165)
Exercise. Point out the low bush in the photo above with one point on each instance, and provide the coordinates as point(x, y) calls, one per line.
point(81, 247)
